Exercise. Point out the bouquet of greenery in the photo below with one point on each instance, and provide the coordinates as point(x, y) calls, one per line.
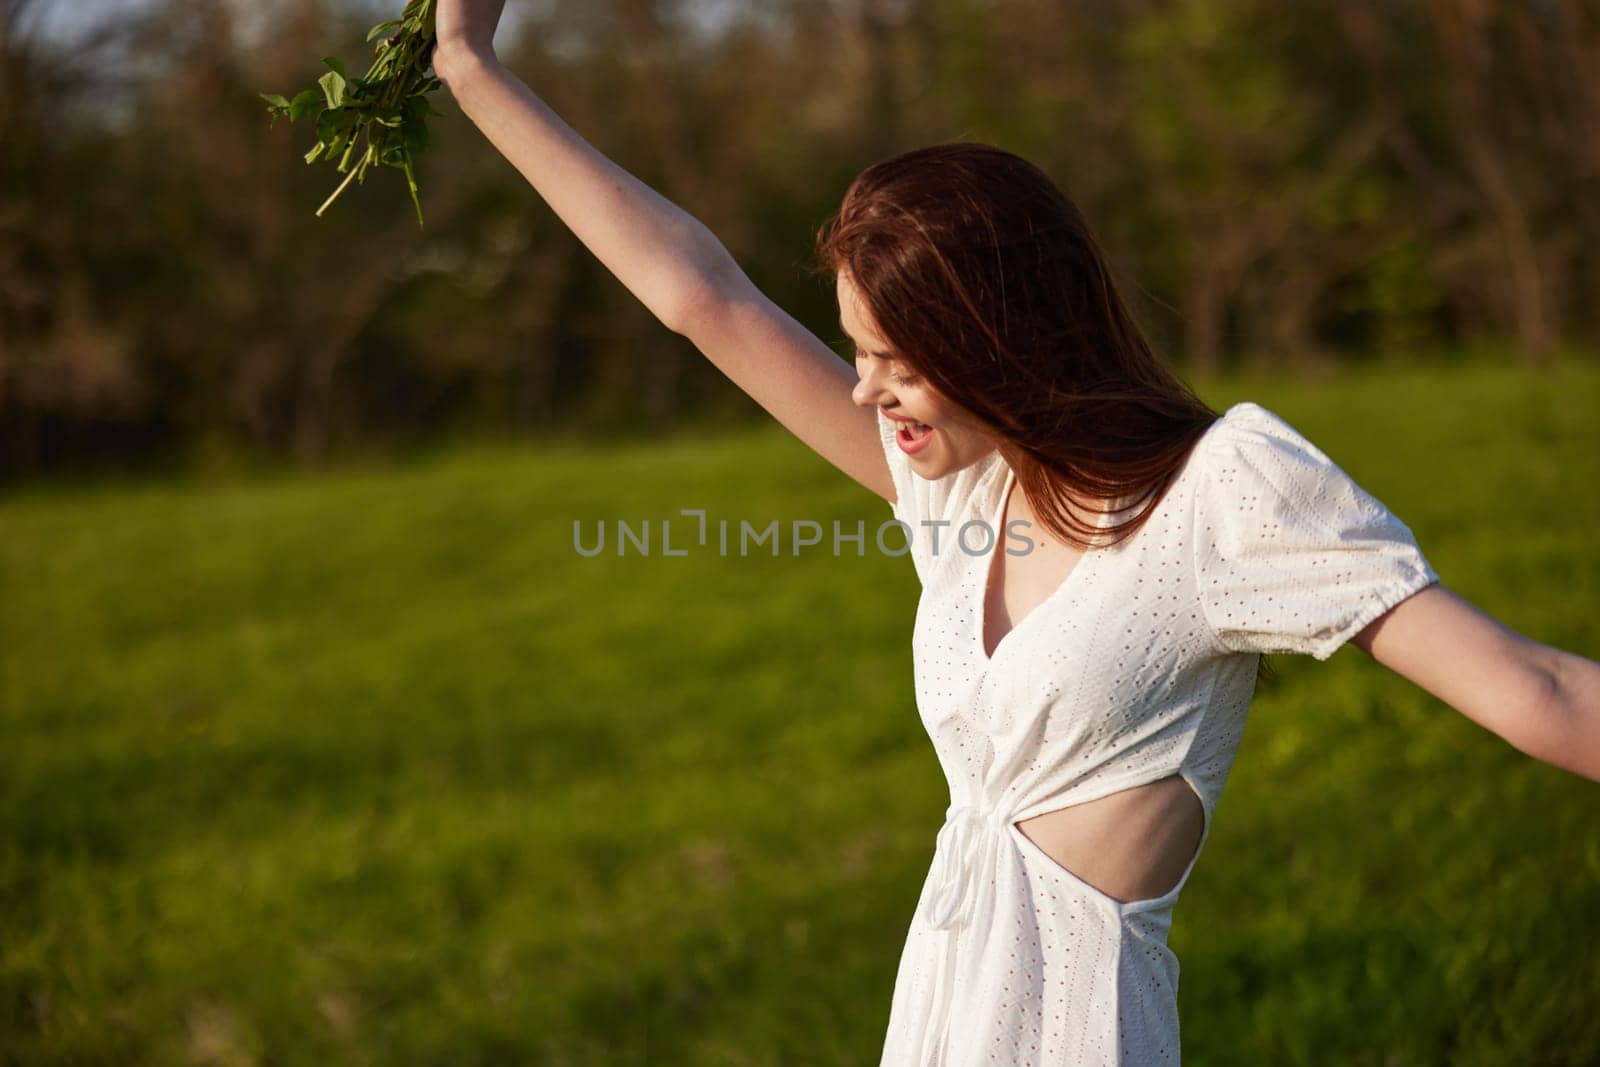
point(387, 106)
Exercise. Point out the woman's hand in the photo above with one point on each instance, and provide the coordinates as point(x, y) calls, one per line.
point(465, 30)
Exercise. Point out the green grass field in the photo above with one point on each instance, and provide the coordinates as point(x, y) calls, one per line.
point(373, 767)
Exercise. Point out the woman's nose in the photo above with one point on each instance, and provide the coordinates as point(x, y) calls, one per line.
point(868, 391)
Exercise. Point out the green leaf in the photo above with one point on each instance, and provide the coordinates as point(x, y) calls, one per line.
point(333, 88)
point(414, 135)
point(328, 124)
point(418, 105)
point(304, 103)
point(336, 63)
point(382, 28)
point(278, 103)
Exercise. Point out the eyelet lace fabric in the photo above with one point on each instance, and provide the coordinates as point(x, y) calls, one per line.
point(1141, 666)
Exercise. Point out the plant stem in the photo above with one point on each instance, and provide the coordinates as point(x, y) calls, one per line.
point(342, 185)
point(412, 182)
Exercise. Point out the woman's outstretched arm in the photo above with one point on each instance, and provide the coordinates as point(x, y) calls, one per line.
point(1542, 700)
point(663, 255)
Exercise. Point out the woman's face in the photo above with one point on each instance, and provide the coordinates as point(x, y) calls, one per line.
point(937, 435)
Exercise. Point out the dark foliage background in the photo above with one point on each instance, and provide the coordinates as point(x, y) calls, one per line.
point(1282, 185)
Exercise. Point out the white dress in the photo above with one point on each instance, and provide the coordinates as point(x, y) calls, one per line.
point(1141, 665)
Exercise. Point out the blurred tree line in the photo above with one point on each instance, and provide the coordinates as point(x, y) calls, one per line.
point(1294, 184)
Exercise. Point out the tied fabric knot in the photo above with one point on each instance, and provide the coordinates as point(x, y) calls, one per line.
point(955, 854)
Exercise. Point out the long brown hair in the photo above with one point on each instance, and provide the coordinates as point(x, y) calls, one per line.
point(981, 274)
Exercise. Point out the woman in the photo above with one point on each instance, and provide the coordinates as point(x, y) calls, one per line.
point(1085, 688)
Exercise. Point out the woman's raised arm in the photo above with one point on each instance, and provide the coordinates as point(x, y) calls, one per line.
point(666, 257)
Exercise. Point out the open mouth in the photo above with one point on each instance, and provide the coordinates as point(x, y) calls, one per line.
point(913, 432)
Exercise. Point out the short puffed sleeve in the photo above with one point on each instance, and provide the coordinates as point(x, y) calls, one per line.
point(932, 509)
point(1291, 555)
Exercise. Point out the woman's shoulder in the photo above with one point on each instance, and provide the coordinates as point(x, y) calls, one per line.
point(1256, 463)
point(1252, 435)
point(1245, 419)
